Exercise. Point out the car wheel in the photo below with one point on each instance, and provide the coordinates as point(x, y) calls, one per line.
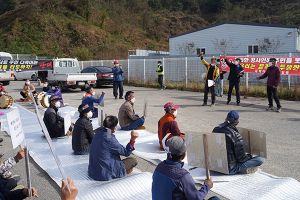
point(33, 77)
point(83, 88)
point(94, 85)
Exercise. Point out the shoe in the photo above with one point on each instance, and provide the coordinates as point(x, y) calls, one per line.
point(204, 104)
point(228, 102)
point(212, 105)
point(140, 128)
point(238, 104)
point(249, 170)
point(121, 98)
point(165, 87)
point(278, 110)
point(270, 108)
point(17, 187)
point(116, 97)
point(161, 89)
point(1, 140)
point(221, 95)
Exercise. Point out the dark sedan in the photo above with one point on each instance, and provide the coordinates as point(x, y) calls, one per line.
point(104, 75)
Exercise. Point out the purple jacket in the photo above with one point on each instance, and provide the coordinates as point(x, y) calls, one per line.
point(274, 76)
point(56, 92)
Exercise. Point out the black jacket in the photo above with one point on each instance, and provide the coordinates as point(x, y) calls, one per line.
point(83, 134)
point(54, 122)
point(234, 144)
point(221, 74)
point(233, 74)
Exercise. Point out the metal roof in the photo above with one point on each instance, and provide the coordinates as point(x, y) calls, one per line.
point(238, 23)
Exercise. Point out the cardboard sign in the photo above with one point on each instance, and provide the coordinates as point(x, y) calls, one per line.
point(67, 122)
point(258, 141)
point(145, 107)
point(216, 150)
point(15, 127)
point(46, 133)
point(101, 116)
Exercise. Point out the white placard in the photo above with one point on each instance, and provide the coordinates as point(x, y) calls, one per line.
point(220, 163)
point(218, 139)
point(15, 127)
point(2, 125)
point(67, 121)
point(209, 158)
point(101, 115)
point(192, 156)
point(210, 83)
point(46, 133)
point(145, 107)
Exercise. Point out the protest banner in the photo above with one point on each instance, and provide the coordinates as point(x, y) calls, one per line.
point(210, 145)
point(257, 140)
point(52, 148)
point(15, 127)
point(25, 65)
point(287, 65)
point(145, 107)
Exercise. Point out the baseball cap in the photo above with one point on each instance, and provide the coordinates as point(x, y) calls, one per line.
point(54, 97)
point(176, 145)
point(84, 108)
point(273, 59)
point(168, 106)
point(116, 62)
point(88, 89)
point(238, 59)
point(232, 117)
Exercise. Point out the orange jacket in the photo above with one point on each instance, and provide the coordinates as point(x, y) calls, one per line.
point(167, 124)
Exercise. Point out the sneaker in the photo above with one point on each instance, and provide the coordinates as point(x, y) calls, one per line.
point(221, 95)
point(17, 187)
point(165, 87)
point(228, 102)
point(249, 170)
point(270, 108)
point(161, 89)
point(204, 104)
point(121, 98)
point(116, 97)
point(212, 105)
point(278, 110)
point(140, 128)
point(238, 104)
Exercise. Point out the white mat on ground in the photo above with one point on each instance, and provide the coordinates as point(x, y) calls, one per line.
point(135, 186)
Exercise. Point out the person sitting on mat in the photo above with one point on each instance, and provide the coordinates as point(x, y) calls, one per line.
point(83, 131)
point(105, 151)
point(56, 92)
point(16, 194)
point(25, 91)
point(238, 159)
point(54, 122)
point(46, 87)
point(171, 181)
point(167, 123)
point(90, 100)
point(6, 175)
point(127, 117)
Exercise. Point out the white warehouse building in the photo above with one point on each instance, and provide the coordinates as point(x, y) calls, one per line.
point(236, 38)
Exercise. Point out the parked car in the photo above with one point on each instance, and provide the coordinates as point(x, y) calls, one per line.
point(23, 75)
point(104, 75)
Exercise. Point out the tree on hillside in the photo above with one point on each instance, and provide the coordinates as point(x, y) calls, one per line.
point(186, 48)
point(224, 46)
point(265, 45)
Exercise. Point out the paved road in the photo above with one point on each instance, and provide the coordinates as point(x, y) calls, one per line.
point(281, 128)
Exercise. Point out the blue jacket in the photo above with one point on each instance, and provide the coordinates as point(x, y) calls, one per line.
point(10, 195)
point(90, 100)
point(105, 162)
point(118, 74)
point(56, 92)
point(172, 182)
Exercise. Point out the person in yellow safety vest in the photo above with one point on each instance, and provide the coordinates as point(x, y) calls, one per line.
point(212, 74)
point(160, 73)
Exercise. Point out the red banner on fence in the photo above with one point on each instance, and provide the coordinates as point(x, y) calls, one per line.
point(287, 65)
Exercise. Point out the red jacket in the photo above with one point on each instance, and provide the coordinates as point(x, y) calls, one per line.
point(167, 124)
point(274, 76)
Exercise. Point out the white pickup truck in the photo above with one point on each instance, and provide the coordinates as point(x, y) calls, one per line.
point(67, 73)
point(6, 76)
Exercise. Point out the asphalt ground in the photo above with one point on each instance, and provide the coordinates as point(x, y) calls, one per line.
point(282, 128)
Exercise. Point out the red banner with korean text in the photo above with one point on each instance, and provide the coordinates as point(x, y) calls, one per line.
point(25, 65)
point(287, 65)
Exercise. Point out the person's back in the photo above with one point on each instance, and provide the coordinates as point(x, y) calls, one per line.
point(54, 127)
point(167, 124)
point(126, 114)
point(82, 135)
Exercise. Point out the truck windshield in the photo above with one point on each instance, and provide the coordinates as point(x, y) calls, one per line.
point(5, 58)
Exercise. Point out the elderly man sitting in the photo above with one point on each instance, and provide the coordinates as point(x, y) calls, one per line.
point(238, 159)
point(105, 151)
point(90, 100)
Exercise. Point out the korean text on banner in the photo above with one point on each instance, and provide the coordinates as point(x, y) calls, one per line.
point(15, 127)
point(67, 121)
point(26, 65)
point(287, 65)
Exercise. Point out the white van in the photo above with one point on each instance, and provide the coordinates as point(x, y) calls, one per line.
point(6, 76)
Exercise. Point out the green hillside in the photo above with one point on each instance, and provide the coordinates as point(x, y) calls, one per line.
point(107, 29)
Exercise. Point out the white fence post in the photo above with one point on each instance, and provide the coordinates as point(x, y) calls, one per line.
point(128, 70)
point(185, 72)
point(247, 78)
point(144, 71)
point(17, 56)
point(289, 76)
point(101, 62)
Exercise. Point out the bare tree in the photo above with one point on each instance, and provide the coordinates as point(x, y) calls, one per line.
point(265, 45)
point(224, 46)
point(186, 48)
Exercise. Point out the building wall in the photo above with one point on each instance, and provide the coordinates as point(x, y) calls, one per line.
point(240, 34)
